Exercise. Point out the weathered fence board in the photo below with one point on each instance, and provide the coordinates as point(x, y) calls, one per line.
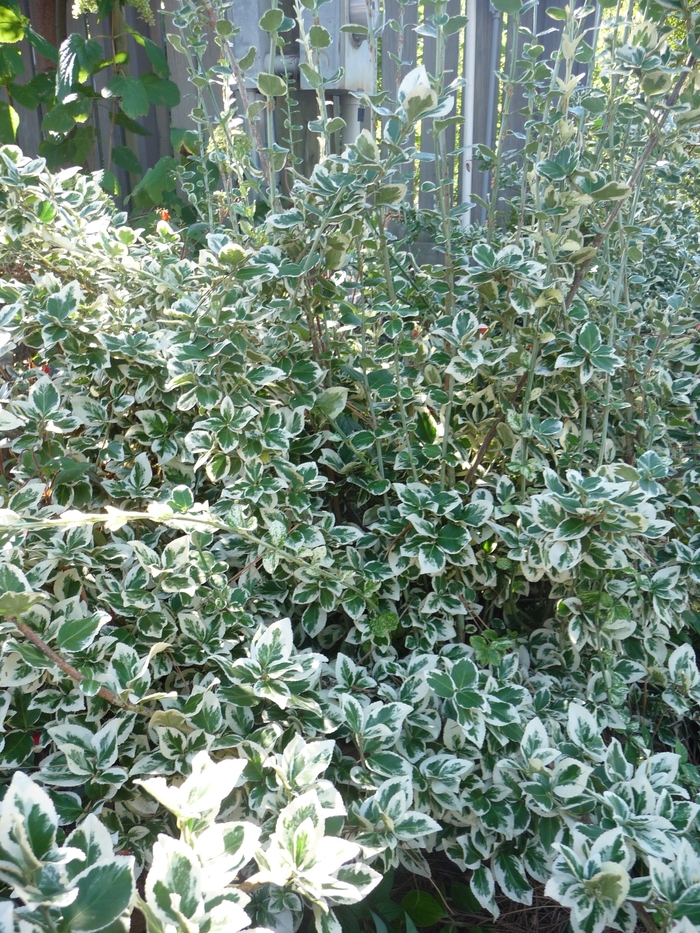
point(474, 54)
point(481, 60)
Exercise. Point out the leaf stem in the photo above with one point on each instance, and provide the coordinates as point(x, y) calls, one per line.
point(68, 669)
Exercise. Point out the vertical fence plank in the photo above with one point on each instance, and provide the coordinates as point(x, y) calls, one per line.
point(29, 130)
point(428, 174)
point(403, 45)
point(481, 96)
point(547, 32)
point(401, 50)
point(156, 122)
point(453, 69)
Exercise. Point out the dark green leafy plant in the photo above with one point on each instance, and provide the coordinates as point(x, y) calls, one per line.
point(70, 127)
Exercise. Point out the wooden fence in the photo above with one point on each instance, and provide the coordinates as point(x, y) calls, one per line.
point(475, 53)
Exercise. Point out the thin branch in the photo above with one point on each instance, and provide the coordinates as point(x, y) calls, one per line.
point(635, 177)
point(486, 443)
point(68, 669)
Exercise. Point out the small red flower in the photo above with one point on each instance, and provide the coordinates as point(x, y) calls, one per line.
point(164, 214)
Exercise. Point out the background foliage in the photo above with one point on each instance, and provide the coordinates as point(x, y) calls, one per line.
point(317, 563)
point(70, 84)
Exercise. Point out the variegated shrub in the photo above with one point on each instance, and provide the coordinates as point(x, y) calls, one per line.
point(317, 562)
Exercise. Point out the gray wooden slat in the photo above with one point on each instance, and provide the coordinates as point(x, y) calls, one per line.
point(410, 47)
point(426, 174)
point(148, 148)
point(452, 65)
point(29, 130)
point(394, 43)
point(483, 91)
point(548, 32)
point(403, 44)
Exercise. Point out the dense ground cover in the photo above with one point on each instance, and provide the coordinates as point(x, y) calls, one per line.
point(391, 564)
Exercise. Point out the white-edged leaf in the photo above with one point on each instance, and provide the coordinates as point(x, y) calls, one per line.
point(584, 731)
point(484, 889)
point(105, 891)
point(331, 402)
point(509, 873)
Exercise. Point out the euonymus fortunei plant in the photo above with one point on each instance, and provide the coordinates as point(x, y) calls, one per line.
point(317, 562)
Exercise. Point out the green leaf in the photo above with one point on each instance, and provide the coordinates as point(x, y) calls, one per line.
point(11, 63)
point(476, 513)
point(570, 778)
point(121, 119)
point(484, 889)
point(41, 89)
point(422, 908)
point(44, 397)
point(16, 594)
point(104, 893)
point(331, 402)
point(78, 634)
point(125, 158)
point(452, 538)
point(584, 731)
point(613, 191)
point(132, 93)
point(175, 868)
point(29, 803)
point(390, 195)
point(335, 125)
point(67, 72)
point(42, 45)
point(319, 38)
point(688, 905)
point(312, 77)
point(550, 169)
point(9, 121)
point(510, 875)
point(454, 24)
point(157, 58)
point(92, 838)
point(12, 24)
point(512, 7)
point(160, 91)
point(247, 60)
point(565, 555)
point(224, 27)
point(157, 181)
point(271, 20)
point(431, 558)
point(589, 337)
point(605, 360)
point(271, 85)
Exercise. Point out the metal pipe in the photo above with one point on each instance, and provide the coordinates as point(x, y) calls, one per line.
point(353, 113)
